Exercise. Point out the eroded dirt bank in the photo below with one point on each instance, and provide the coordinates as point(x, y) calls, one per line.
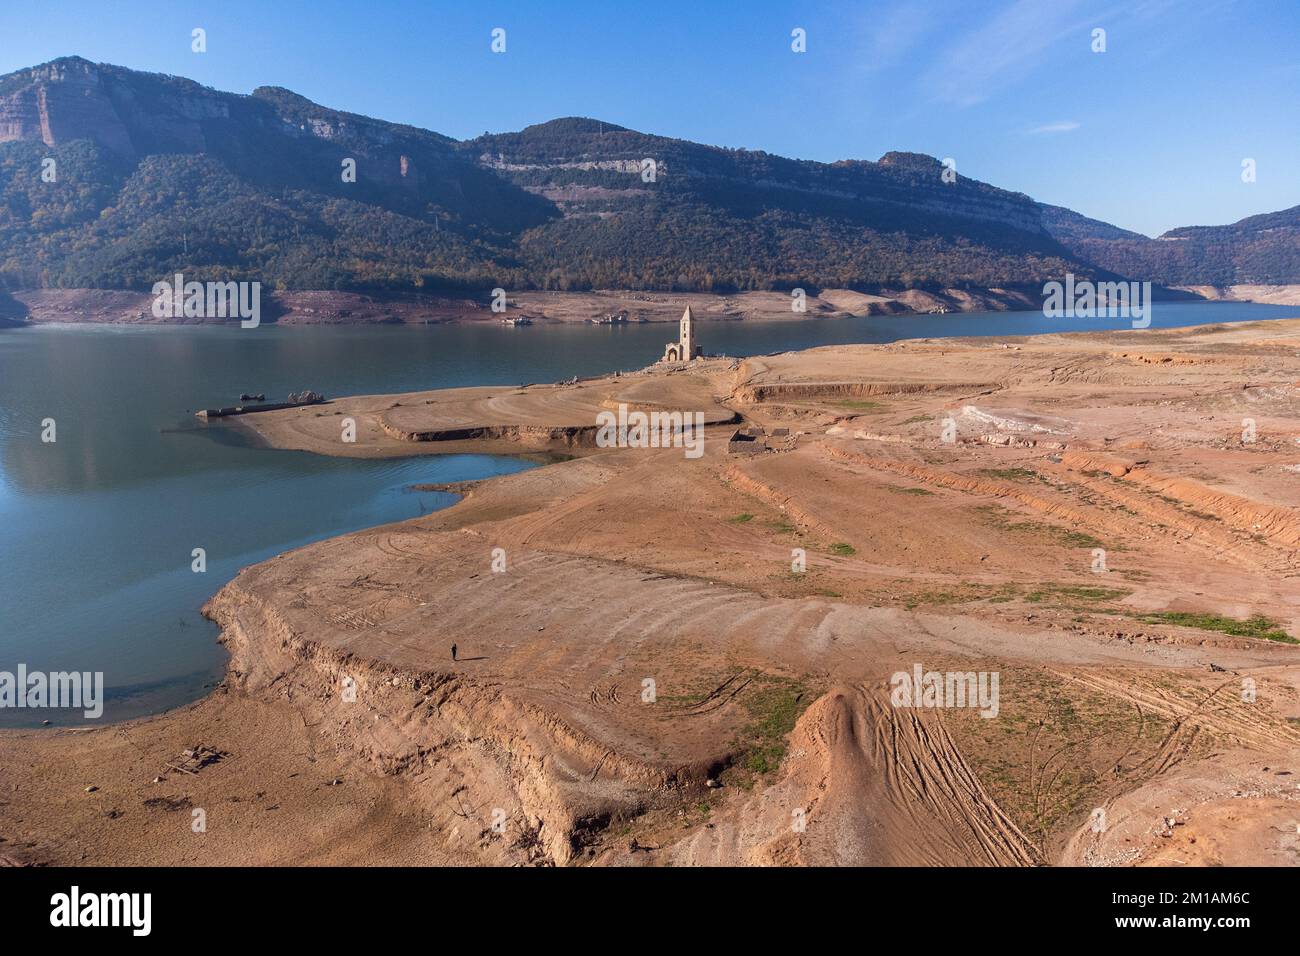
point(1107, 522)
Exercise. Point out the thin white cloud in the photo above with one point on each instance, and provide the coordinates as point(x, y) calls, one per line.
point(1001, 51)
point(1061, 126)
point(890, 38)
point(1014, 42)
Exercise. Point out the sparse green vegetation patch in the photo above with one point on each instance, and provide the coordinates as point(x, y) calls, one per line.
point(1011, 474)
point(1256, 625)
point(1000, 518)
point(963, 593)
point(769, 707)
point(1078, 597)
point(1058, 749)
point(1065, 593)
point(859, 405)
point(774, 706)
point(1185, 508)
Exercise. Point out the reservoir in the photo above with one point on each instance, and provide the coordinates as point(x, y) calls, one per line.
point(97, 528)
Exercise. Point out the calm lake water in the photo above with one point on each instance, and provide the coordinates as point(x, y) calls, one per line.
point(97, 528)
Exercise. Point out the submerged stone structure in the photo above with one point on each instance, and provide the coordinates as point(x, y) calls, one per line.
point(684, 349)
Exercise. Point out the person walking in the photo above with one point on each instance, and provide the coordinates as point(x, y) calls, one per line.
point(453, 652)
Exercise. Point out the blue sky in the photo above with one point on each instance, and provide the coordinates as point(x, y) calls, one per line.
point(1149, 135)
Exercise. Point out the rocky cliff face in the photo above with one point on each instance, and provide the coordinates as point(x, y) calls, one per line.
point(131, 114)
point(644, 211)
point(575, 157)
point(273, 137)
point(259, 182)
point(61, 101)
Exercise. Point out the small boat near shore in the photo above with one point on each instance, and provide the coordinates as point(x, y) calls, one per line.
point(296, 399)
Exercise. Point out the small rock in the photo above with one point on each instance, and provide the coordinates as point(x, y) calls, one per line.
point(91, 789)
point(712, 784)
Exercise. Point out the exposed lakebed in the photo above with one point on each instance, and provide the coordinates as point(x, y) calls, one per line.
point(97, 529)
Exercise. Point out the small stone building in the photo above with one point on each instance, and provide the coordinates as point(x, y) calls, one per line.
point(684, 349)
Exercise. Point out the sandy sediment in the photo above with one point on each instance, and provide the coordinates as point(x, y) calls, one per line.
point(324, 307)
point(1265, 294)
point(646, 677)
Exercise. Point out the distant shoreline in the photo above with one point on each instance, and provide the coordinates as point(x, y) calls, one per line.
point(120, 307)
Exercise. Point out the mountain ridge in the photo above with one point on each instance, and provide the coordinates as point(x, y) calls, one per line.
point(159, 174)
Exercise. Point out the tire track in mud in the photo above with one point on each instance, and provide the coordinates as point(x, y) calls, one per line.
point(715, 699)
point(900, 792)
point(877, 786)
point(1252, 726)
point(606, 696)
